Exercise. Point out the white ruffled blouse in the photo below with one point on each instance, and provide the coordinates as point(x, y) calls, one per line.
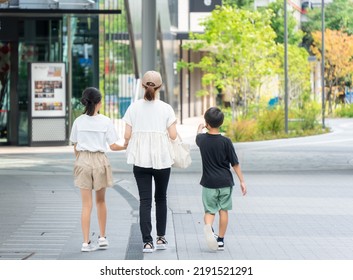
point(149, 145)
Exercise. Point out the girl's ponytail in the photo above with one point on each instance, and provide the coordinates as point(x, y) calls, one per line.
point(90, 98)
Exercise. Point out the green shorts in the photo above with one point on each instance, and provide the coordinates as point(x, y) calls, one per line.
point(217, 199)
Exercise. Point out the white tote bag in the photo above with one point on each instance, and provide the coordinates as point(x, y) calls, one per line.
point(182, 158)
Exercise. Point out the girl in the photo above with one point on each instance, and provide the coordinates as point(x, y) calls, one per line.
point(91, 134)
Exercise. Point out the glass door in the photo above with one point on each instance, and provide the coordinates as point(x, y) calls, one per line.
point(39, 41)
point(5, 55)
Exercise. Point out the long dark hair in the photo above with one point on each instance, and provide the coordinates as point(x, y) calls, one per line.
point(90, 98)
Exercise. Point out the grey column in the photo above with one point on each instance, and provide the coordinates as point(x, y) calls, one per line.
point(149, 35)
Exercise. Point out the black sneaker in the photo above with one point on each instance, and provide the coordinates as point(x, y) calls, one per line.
point(161, 243)
point(220, 242)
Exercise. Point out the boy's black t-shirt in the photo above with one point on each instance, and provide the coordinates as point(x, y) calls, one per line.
point(218, 155)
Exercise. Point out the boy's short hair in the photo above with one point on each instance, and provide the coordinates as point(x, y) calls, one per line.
point(214, 117)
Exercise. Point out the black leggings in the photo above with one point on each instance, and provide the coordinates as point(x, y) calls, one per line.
point(143, 178)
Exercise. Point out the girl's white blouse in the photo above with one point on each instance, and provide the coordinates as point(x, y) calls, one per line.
point(93, 133)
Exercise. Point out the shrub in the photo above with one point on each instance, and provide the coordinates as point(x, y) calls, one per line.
point(345, 111)
point(227, 119)
point(308, 116)
point(271, 121)
point(243, 130)
point(270, 124)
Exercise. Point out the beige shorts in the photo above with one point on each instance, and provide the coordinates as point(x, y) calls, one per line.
point(92, 171)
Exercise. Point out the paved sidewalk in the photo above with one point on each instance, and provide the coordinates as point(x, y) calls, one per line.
point(41, 208)
point(299, 205)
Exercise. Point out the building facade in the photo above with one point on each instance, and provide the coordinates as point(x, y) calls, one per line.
point(100, 43)
point(47, 32)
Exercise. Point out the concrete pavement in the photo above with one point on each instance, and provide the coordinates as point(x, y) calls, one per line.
point(299, 205)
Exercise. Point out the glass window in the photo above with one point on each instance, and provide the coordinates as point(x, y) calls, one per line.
point(82, 33)
point(39, 41)
point(5, 62)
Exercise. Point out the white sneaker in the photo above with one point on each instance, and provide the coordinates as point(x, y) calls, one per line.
point(103, 243)
point(88, 247)
point(210, 238)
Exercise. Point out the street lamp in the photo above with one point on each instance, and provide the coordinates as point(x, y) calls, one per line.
point(286, 68)
point(323, 60)
point(322, 3)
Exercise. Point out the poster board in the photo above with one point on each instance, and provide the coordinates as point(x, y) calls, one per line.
point(47, 125)
point(48, 89)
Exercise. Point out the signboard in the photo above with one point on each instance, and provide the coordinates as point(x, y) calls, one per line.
point(203, 5)
point(48, 90)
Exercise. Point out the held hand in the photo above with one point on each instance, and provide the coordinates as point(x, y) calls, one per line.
point(116, 147)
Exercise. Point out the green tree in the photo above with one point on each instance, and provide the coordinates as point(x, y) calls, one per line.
point(240, 52)
point(338, 16)
point(247, 4)
point(298, 72)
point(295, 35)
point(338, 59)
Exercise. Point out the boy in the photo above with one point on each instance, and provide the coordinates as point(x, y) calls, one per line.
point(218, 154)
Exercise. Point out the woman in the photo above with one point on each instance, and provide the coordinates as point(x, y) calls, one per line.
point(91, 134)
point(149, 125)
